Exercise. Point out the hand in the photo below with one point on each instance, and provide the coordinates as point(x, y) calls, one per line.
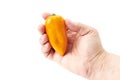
point(84, 47)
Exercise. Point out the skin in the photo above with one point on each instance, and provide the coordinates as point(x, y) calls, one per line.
point(85, 55)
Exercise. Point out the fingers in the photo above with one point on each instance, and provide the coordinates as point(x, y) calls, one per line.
point(41, 29)
point(45, 15)
point(46, 49)
point(43, 39)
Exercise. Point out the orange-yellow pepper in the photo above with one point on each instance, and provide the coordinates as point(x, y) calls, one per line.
point(56, 32)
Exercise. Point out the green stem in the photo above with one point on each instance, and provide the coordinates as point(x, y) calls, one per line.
point(53, 14)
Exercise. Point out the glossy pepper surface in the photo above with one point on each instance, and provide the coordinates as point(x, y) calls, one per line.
point(56, 32)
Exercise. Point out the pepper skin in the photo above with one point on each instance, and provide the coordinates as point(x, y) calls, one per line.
point(56, 32)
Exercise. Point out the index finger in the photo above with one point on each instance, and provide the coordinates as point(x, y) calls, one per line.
point(45, 15)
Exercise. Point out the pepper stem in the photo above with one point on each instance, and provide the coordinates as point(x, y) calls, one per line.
point(53, 14)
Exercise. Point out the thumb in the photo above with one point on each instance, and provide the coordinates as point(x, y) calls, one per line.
point(72, 26)
point(77, 27)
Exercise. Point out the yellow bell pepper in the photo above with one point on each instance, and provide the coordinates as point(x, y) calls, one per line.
point(56, 32)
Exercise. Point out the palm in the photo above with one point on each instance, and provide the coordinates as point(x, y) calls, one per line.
point(80, 50)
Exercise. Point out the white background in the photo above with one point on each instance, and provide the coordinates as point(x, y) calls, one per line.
point(20, 51)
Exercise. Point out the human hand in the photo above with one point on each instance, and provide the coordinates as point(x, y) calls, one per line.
point(84, 47)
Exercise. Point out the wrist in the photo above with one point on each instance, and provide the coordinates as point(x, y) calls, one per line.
point(96, 65)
